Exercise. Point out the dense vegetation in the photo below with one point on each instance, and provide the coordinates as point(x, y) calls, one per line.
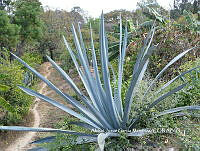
point(32, 32)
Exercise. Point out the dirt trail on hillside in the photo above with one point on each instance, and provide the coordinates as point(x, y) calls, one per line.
point(45, 114)
point(25, 139)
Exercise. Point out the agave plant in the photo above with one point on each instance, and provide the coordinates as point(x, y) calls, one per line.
point(102, 109)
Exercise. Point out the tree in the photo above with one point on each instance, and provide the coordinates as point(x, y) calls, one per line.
point(153, 11)
point(27, 15)
point(4, 4)
point(79, 15)
point(112, 18)
point(181, 5)
point(8, 32)
point(94, 22)
point(58, 23)
point(196, 6)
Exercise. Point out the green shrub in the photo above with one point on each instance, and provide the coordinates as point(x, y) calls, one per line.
point(172, 42)
point(34, 60)
point(3, 103)
point(66, 62)
point(65, 142)
point(12, 75)
point(191, 94)
point(188, 22)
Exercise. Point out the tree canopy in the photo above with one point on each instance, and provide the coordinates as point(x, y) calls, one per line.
point(9, 33)
point(27, 15)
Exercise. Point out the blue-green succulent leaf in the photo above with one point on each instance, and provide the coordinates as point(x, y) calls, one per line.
point(48, 139)
point(140, 55)
point(83, 45)
point(100, 89)
point(82, 124)
point(178, 109)
point(33, 129)
point(65, 76)
point(177, 77)
point(64, 108)
point(106, 76)
point(69, 99)
point(166, 67)
point(120, 68)
point(133, 87)
point(89, 78)
point(102, 136)
point(72, 84)
point(83, 78)
point(38, 149)
point(85, 139)
point(166, 95)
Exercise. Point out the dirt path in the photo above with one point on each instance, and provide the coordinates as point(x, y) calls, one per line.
point(25, 139)
point(43, 113)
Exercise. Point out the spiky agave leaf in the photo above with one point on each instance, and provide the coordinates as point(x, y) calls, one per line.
point(79, 140)
point(122, 53)
point(139, 68)
point(33, 129)
point(178, 109)
point(48, 139)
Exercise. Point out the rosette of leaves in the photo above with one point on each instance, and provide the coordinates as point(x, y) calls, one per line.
point(104, 110)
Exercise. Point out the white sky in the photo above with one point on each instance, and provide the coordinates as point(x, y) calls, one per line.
point(94, 7)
